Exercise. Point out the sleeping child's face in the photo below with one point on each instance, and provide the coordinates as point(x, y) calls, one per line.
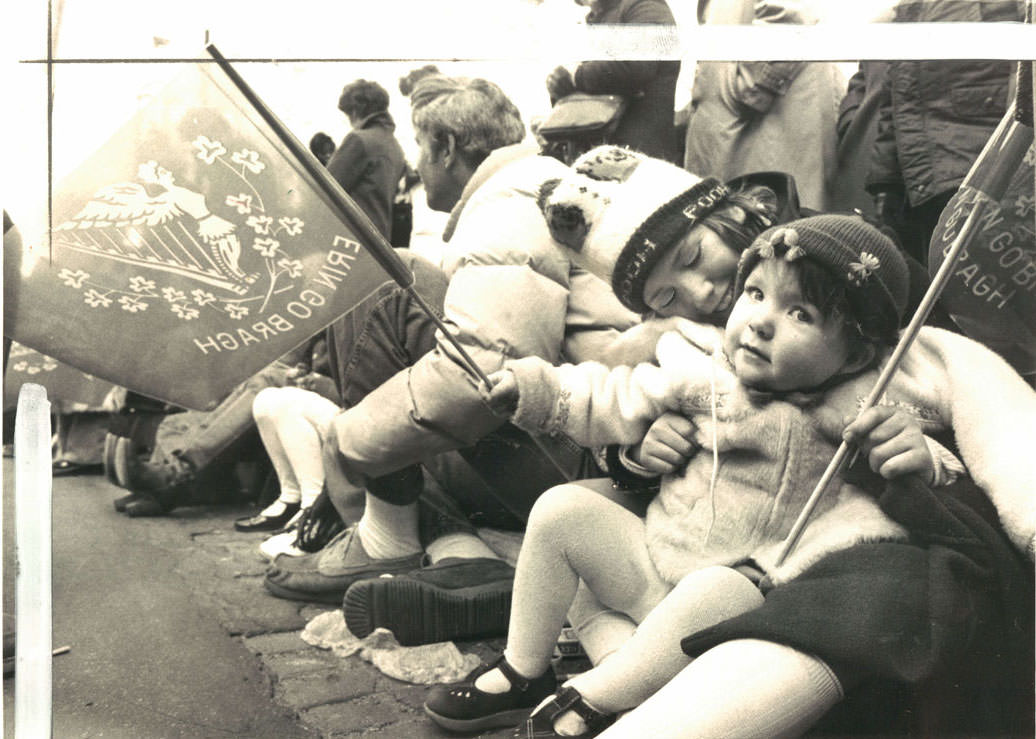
point(779, 341)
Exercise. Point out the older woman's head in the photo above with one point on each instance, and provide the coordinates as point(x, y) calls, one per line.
point(666, 240)
point(361, 99)
point(458, 122)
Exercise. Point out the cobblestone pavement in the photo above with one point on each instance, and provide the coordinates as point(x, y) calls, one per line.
point(334, 696)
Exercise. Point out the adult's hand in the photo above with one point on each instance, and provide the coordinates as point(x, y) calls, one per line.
point(667, 445)
point(560, 84)
point(893, 443)
point(504, 393)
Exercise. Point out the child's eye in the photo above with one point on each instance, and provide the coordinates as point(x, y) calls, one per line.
point(691, 255)
point(754, 293)
point(801, 315)
point(662, 299)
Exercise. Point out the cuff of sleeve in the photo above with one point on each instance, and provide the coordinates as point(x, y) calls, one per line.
point(538, 391)
point(626, 477)
point(946, 468)
point(636, 468)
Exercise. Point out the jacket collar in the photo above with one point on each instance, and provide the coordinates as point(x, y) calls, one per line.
point(492, 164)
point(383, 119)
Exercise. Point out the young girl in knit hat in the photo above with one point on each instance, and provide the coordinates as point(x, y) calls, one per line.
point(818, 303)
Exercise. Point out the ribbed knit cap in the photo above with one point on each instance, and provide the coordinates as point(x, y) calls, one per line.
point(620, 211)
point(875, 274)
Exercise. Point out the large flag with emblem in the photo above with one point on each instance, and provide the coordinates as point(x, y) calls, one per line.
point(71, 389)
point(191, 250)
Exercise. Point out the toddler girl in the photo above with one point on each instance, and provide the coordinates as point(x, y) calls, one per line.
point(819, 303)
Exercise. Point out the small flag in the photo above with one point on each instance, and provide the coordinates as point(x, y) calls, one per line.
point(991, 294)
point(191, 250)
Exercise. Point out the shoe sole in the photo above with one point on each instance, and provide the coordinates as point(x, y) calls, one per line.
point(511, 718)
point(419, 613)
point(330, 597)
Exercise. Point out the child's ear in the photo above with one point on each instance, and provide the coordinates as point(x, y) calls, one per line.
point(861, 354)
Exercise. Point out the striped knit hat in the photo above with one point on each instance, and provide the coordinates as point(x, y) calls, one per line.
point(875, 274)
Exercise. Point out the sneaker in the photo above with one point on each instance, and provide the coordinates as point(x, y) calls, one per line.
point(323, 577)
point(454, 599)
point(463, 707)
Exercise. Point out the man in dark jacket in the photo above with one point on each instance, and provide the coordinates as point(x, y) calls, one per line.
point(369, 162)
point(934, 119)
point(648, 85)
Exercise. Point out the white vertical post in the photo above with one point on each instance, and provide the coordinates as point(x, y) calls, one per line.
point(32, 493)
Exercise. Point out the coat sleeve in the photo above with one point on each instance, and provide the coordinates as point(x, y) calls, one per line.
point(884, 172)
point(851, 102)
point(993, 421)
point(588, 402)
point(347, 163)
point(753, 87)
point(626, 77)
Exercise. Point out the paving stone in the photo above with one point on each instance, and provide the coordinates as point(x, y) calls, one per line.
point(266, 644)
point(372, 714)
point(304, 662)
point(317, 689)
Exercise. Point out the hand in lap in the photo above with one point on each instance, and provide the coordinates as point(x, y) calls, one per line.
point(667, 445)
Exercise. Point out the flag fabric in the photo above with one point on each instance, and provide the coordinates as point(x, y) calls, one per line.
point(66, 386)
point(991, 294)
point(191, 250)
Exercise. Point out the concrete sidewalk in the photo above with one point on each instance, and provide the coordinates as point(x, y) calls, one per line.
point(172, 634)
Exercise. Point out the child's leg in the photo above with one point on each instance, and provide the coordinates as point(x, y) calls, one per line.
point(601, 630)
point(573, 533)
point(292, 423)
point(267, 409)
point(742, 689)
point(652, 656)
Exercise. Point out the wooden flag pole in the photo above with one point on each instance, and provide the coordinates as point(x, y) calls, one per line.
point(375, 242)
point(988, 179)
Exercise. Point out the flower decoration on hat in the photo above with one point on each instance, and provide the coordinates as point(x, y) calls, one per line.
point(861, 270)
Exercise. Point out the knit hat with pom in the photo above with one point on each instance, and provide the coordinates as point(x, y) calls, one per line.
point(875, 274)
point(620, 211)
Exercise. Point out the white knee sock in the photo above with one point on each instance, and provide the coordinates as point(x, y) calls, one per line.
point(388, 531)
point(278, 506)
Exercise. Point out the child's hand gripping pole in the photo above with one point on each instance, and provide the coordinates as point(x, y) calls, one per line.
point(988, 179)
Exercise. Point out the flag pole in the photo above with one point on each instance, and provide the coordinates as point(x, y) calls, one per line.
point(376, 243)
point(988, 179)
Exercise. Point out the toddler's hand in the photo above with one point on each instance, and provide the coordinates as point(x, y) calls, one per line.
point(667, 445)
point(893, 442)
point(317, 383)
point(503, 395)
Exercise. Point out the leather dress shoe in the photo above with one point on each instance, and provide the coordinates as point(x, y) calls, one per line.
point(261, 522)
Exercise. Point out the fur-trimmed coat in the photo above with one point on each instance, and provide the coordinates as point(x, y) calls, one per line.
point(772, 453)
